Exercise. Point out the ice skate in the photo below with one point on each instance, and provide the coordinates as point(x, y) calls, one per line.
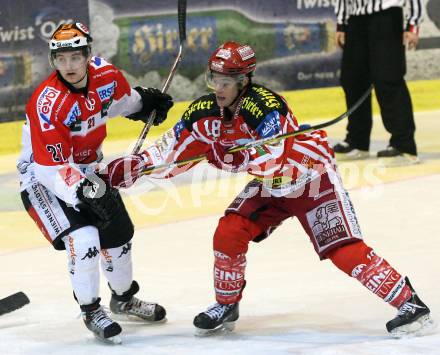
point(128, 307)
point(347, 152)
point(100, 324)
point(217, 318)
point(413, 318)
point(391, 157)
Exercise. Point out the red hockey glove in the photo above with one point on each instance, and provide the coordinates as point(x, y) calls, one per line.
point(123, 172)
point(221, 159)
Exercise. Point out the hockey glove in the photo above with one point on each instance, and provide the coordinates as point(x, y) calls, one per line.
point(152, 99)
point(123, 172)
point(221, 159)
point(99, 199)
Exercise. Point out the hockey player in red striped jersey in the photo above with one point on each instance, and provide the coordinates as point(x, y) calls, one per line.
point(62, 137)
point(295, 177)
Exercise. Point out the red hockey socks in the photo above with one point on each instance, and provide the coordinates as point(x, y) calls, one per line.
point(360, 261)
point(229, 277)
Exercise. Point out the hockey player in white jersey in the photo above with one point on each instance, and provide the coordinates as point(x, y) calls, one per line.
point(62, 138)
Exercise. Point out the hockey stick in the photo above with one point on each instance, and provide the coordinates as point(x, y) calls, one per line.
point(13, 302)
point(262, 141)
point(181, 18)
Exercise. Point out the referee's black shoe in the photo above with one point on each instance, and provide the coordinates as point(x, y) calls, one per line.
point(346, 152)
point(394, 157)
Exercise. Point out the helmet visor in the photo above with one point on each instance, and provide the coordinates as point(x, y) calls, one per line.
point(216, 81)
point(69, 60)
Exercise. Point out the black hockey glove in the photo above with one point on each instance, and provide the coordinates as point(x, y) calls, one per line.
point(100, 200)
point(152, 99)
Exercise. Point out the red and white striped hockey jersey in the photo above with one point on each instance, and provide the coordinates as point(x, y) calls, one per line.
point(283, 167)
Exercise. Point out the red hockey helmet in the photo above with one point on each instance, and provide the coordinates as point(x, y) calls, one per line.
point(233, 58)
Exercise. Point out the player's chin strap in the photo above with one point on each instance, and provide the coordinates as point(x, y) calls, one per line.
point(80, 80)
point(241, 93)
point(259, 142)
point(226, 113)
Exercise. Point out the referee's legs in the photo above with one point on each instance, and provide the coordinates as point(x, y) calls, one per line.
point(397, 114)
point(388, 68)
point(355, 80)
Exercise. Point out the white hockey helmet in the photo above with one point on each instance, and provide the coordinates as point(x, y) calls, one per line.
point(70, 36)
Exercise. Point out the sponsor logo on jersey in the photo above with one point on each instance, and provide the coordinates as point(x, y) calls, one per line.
point(45, 104)
point(82, 155)
point(196, 106)
point(98, 62)
point(251, 106)
point(270, 125)
point(105, 92)
point(90, 103)
point(70, 175)
point(268, 97)
point(105, 107)
point(72, 115)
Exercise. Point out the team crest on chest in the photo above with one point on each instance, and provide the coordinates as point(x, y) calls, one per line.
point(90, 102)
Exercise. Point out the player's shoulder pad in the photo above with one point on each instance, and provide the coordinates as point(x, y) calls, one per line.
point(259, 102)
point(204, 106)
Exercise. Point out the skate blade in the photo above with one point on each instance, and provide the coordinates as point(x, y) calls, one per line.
point(222, 329)
point(115, 340)
point(422, 326)
point(352, 156)
point(400, 160)
point(129, 318)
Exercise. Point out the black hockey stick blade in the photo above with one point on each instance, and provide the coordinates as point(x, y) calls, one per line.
point(181, 18)
point(13, 302)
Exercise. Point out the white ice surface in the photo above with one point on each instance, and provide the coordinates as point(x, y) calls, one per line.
point(293, 304)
